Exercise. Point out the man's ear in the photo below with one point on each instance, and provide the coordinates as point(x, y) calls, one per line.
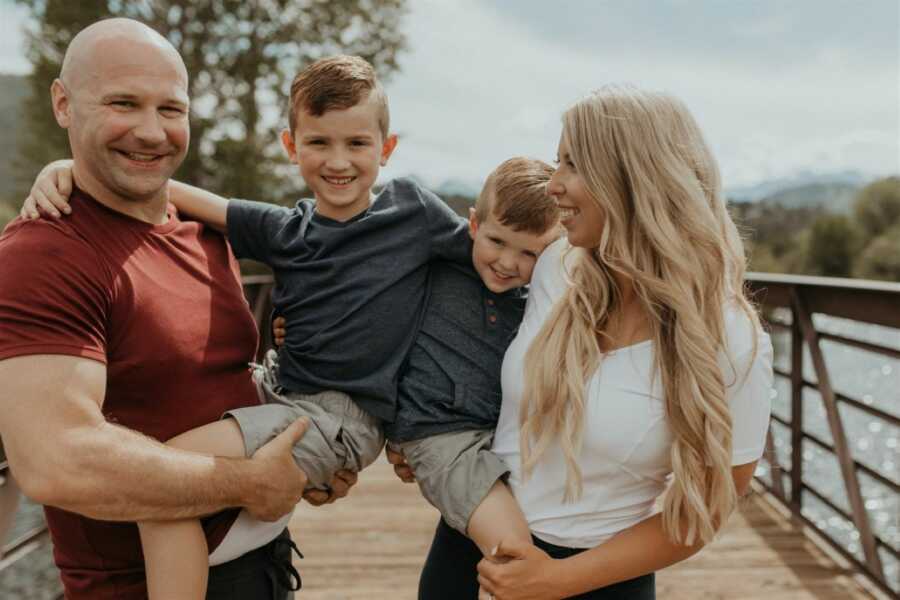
point(473, 223)
point(59, 98)
point(387, 148)
point(287, 142)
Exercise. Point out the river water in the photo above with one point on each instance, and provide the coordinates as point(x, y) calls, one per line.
point(872, 378)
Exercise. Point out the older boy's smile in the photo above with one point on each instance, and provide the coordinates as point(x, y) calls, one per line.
point(340, 181)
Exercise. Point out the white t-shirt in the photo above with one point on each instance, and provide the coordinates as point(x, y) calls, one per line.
point(625, 457)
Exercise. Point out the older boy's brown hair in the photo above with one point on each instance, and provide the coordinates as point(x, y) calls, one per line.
point(337, 83)
point(516, 194)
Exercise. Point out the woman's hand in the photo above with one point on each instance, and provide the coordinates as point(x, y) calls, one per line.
point(520, 571)
point(50, 193)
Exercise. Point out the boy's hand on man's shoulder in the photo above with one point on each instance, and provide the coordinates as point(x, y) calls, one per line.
point(50, 193)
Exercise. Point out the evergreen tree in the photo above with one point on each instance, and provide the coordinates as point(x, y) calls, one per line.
point(241, 56)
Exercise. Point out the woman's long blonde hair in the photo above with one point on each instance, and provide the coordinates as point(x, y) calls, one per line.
point(666, 229)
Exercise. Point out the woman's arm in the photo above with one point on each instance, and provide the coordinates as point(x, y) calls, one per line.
point(638, 550)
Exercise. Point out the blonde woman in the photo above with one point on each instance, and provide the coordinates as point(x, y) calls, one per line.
point(640, 369)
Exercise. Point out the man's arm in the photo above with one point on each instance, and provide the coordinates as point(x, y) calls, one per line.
point(64, 453)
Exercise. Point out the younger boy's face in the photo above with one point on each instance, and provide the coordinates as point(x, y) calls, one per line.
point(505, 258)
point(339, 154)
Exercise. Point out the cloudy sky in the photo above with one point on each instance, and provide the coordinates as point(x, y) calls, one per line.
point(780, 88)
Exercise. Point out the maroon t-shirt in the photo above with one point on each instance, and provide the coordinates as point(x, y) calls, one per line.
point(162, 307)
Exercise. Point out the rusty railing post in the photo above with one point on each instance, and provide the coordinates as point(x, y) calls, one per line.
point(796, 411)
point(842, 449)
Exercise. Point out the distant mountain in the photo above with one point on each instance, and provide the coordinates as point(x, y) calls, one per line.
point(772, 187)
point(833, 197)
point(458, 187)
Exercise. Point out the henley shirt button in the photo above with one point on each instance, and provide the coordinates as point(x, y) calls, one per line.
point(492, 318)
point(490, 302)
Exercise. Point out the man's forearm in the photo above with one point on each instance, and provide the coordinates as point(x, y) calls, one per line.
point(113, 473)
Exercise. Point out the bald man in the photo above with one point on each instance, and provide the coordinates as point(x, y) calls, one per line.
point(124, 326)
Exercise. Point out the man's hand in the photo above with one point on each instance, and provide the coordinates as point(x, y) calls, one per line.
point(50, 193)
point(340, 486)
point(278, 333)
point(279, 482)
point(401, 467)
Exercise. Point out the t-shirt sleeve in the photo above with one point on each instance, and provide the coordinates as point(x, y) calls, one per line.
point(54, 294)
point(750, 400)
point(252, 226)
point(448, 231)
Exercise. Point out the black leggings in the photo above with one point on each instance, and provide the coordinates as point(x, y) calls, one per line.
point(450, 574)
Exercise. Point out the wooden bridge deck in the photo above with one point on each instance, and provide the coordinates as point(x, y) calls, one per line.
point(371, 546)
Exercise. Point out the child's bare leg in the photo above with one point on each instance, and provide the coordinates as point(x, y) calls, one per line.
point(175, 553)
point(497, 518)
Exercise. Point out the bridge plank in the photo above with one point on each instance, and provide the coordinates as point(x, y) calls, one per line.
point(371, 546)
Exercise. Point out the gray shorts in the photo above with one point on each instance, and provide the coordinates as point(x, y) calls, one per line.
point(340, 436)
point(455, 471)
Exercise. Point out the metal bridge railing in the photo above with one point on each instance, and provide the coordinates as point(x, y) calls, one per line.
point(798, 298)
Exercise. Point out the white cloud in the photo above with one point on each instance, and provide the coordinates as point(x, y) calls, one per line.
point(12, 40)
point(778, 88)
point(478, 87)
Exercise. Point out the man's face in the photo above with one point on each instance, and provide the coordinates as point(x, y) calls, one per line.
point(128, 122)
point(339, 154)
point(503, 257)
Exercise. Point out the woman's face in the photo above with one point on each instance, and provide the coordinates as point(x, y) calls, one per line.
point(579, 214)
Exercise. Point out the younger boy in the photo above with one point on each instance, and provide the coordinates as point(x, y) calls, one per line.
point(449, 390)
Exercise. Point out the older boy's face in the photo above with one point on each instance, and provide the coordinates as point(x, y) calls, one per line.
point(505, 258)
point(339, 154)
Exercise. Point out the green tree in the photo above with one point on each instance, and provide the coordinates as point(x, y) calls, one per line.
point(241, 55)
point(877, 206)
point(881, 258)
point(762, 259)
point(833, 243)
